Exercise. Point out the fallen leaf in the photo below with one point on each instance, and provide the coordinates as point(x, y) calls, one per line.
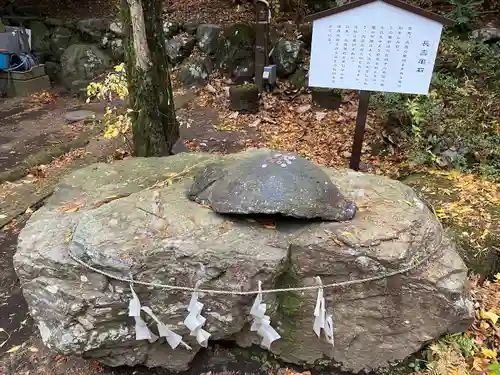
point(269, 120)
point(2, 216)
point(255, 123)
point(233, 115)
point(484, 326)
point(479, 364)
point(270, 226)
point(488, 353)
point(72, 207)
point(210, 89)
point(28, 211)
point(320, 116)
point(14, 349)
point(33, 349)
point(67, 236)
point(303, 109)
point(347, 234)
point(489, 315)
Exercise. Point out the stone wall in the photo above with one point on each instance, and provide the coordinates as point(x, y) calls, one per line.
point(76, 53)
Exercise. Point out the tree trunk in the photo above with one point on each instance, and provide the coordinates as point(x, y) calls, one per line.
point(154, 126)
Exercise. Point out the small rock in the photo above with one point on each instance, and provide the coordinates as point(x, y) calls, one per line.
point(93, 28)
point(244, 98)
point(287, 54)
point(448, 158)
point(320, 115)
point(179, 48)
point(114, 46)
point(190, 27)
point(298, 79)
point(117, 28)
point(53, 70)
point(79, 115)
point(486, 34)
point(60, 39)
point(170, 29)
point(208, 36)
point(194, 72)
point(40, 39)
point(305, 31)
point(346, 154)
point(82, 62)
point(243, 71)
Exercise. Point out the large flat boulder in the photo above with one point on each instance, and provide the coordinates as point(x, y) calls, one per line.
point(117, 229)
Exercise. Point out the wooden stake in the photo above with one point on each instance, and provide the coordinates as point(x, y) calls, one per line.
point(359, 133)
point(261, 45)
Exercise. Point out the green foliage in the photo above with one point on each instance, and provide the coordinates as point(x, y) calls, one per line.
point(418, 365)
point(459, 115)
point(464, 12)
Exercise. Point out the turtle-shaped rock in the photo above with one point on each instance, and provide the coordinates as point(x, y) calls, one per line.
point(271, 183)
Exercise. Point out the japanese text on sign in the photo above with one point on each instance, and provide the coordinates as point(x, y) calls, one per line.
point(396, 57)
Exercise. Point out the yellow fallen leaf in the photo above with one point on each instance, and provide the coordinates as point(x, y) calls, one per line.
point(479, 364)
point(488, 353)
point(411, 204)
point(14, 349)
point(489, 315)
point(497, 276)
point(484, 326)
point(67, 236)
point(347, 234)
point(251, 220)
point(485, 233)
point(270, 226)
point(71, 209)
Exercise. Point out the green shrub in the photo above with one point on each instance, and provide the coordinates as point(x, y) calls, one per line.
point(458, 122)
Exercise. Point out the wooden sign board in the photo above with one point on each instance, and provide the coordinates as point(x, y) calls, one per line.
point(374, 45)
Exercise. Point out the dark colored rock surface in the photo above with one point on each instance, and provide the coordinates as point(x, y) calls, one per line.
point(179, 48)
point(272, 183)
point(287, 54)
point(236, 49)
point(208, 37)
point(194, 71)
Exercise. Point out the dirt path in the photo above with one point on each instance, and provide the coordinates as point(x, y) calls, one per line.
point(29, 125)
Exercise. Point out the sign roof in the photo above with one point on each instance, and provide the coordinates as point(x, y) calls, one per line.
point(397, 3)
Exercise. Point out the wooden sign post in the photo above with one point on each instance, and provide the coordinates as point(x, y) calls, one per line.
point(263, 17)
point(374, 45)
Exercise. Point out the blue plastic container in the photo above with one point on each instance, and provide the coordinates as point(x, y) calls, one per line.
point(4, 59)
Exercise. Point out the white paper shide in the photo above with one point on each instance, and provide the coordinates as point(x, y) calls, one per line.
point(142, 331)
point(322, 321)
point(195, 321)
point(262, 322)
